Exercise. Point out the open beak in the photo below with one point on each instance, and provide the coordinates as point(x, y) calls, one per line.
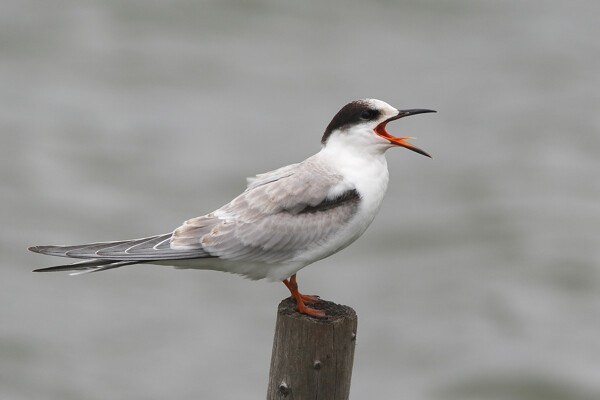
point(380, 130)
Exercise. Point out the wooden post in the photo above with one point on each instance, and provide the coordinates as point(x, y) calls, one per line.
point(312, 357)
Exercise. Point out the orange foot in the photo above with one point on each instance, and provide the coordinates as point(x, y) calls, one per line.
point(301, 298)
point(310, 298)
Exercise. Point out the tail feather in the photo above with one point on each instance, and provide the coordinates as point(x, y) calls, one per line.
point(87, 266)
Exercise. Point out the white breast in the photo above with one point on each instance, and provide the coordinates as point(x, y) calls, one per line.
point(365, 172)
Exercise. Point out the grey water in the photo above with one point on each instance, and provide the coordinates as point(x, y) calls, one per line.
point(479, 279)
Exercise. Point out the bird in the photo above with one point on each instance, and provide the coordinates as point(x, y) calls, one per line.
point(284, 220)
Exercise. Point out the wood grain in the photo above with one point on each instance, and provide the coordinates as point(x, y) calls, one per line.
point(312, 357)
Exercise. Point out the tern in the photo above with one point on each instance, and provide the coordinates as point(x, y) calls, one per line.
point(285, 220)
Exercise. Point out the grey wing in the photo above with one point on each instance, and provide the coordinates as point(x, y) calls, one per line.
point(279, 215)
point(108, 255)
point(152, 248)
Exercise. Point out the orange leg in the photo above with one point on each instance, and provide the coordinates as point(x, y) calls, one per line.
point(301, 298)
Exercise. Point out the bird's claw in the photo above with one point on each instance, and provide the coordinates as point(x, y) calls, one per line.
point(292, 285)
point(310, 298)
point(311, 311)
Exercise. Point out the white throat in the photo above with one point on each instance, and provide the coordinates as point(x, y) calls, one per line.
point(363, 167)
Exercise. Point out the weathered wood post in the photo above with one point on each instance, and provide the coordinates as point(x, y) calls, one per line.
point(312, 357)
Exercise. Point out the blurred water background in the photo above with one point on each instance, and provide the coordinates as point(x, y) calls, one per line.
point(480, 278)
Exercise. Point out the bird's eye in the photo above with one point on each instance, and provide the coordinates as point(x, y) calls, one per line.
point(367, 115)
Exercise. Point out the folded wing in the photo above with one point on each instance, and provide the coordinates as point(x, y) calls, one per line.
point(280, 214)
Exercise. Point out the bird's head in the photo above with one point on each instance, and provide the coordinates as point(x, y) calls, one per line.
point(363, 122)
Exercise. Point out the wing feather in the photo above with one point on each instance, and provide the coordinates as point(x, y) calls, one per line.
point(154, 248)
point(86, 266)
point(279, 215)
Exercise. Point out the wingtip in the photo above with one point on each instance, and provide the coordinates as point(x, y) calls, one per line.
point(35, 249)
point(58, 268)
point(49, 269)
point(46, 269)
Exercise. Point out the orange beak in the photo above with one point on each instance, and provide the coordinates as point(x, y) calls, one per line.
point(380, 130)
